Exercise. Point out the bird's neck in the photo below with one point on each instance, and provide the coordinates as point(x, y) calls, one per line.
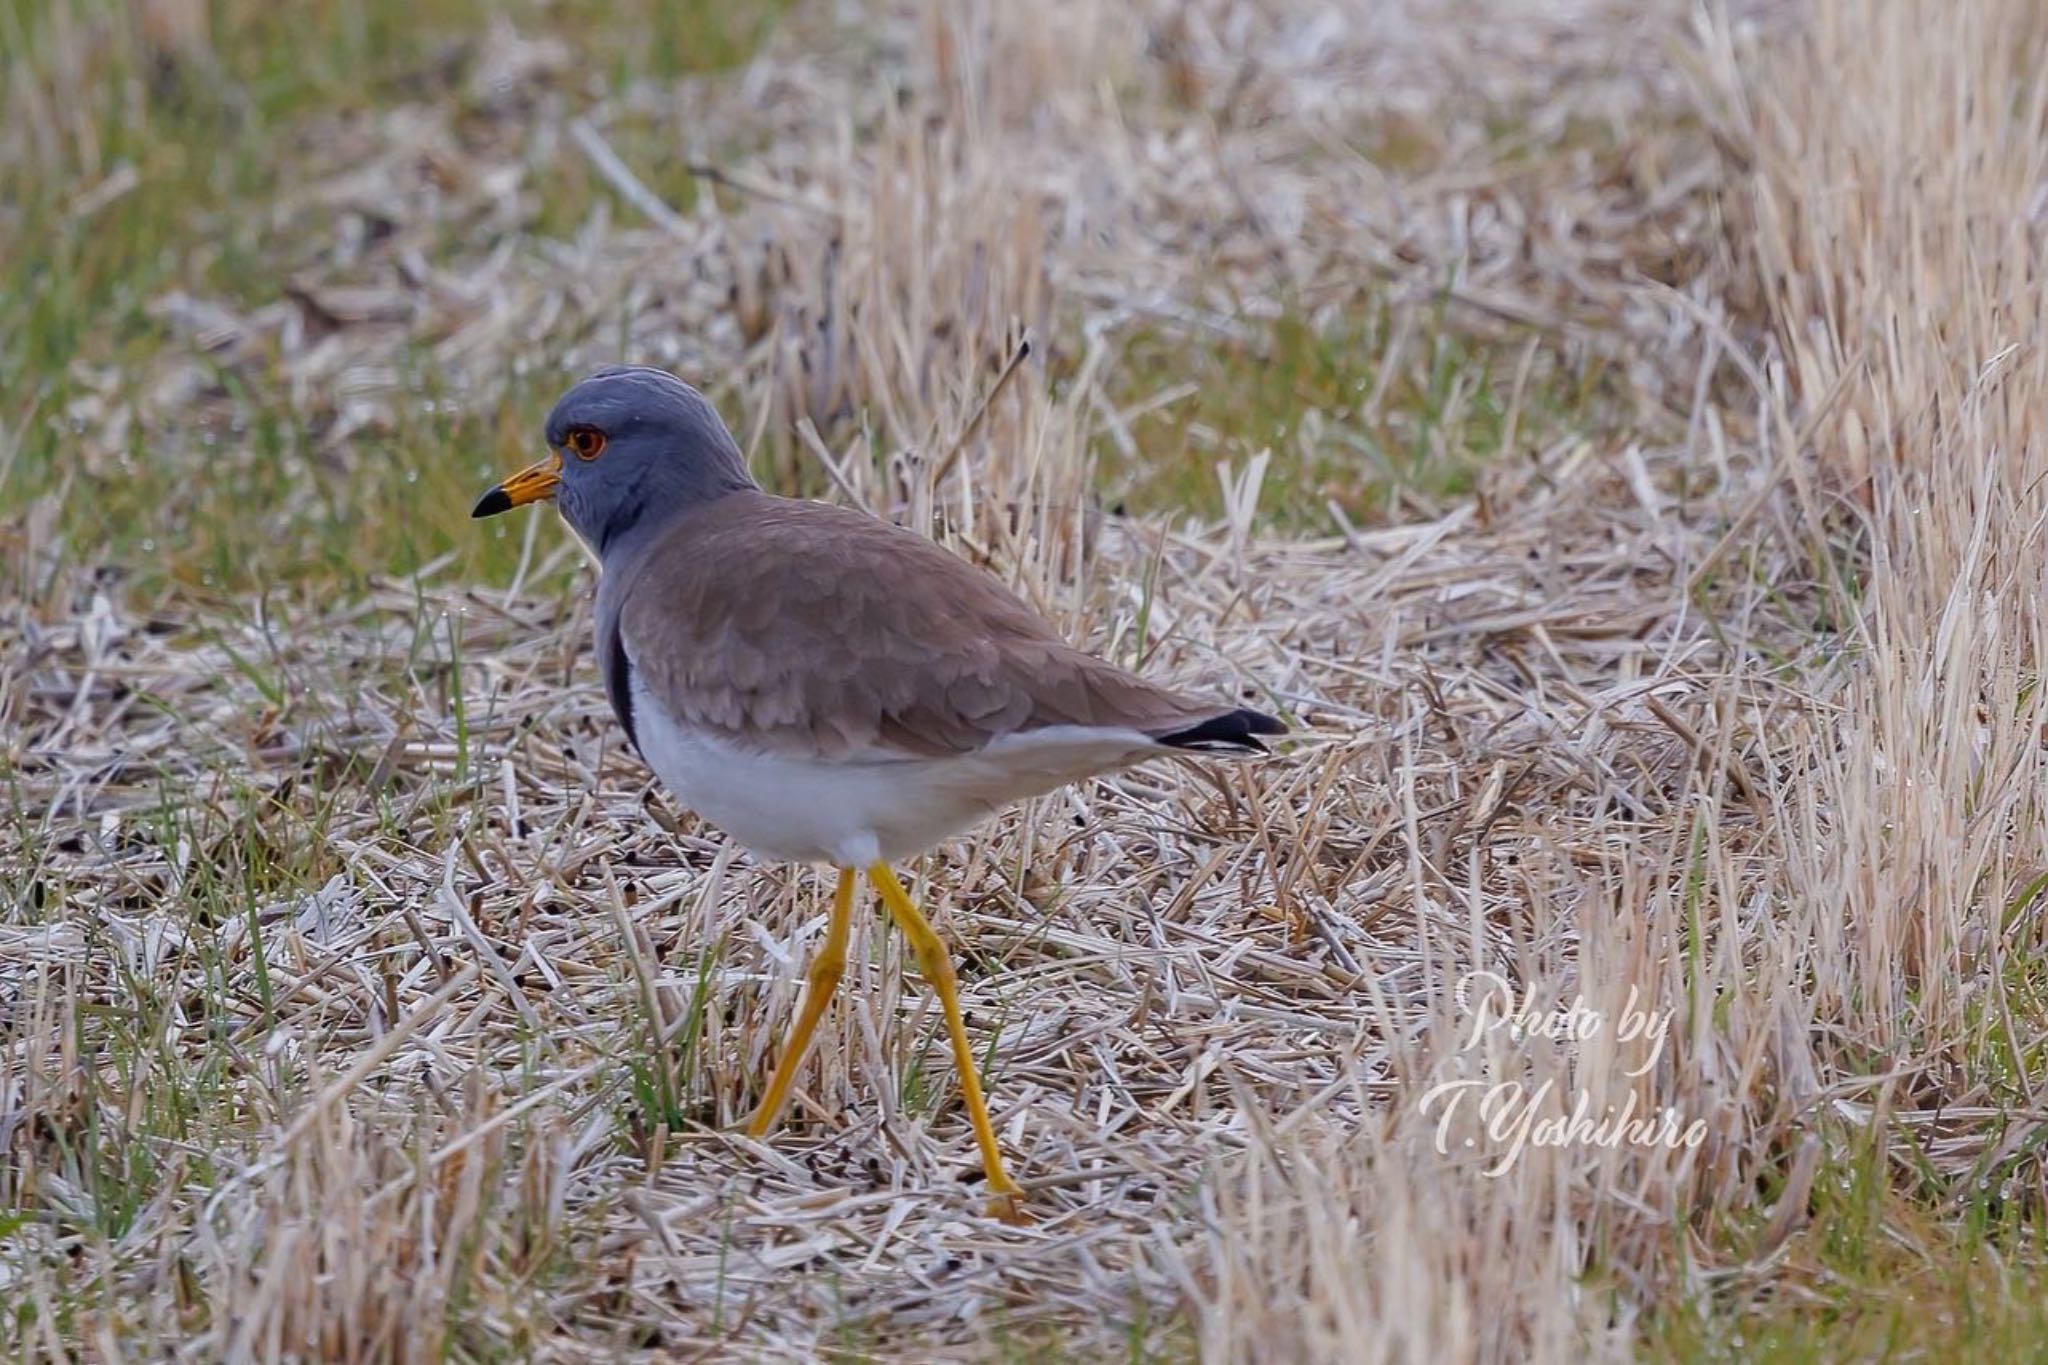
point(643, 521)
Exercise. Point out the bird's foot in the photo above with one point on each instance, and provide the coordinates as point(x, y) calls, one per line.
point(1008, 1207)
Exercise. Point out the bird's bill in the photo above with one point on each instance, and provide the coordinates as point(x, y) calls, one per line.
point(530, 484)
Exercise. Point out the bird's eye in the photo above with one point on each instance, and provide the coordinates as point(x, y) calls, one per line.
point(587, 442)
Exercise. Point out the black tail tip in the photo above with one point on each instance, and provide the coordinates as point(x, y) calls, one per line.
point(1237, 730)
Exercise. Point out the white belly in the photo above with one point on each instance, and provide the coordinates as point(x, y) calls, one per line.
point(854, 813)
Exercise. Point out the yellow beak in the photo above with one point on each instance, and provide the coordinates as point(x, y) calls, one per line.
point(530, 484)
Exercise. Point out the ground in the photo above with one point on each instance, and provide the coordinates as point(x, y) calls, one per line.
point(1603, 431)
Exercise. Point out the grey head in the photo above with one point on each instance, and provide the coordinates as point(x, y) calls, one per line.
point(628, 448)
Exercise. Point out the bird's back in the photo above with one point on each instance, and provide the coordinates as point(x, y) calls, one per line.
point(812, 630)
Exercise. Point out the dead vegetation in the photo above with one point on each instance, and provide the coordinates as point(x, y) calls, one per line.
point(359, 998)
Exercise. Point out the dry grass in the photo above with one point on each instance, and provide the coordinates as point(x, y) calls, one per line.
point(1638, 516)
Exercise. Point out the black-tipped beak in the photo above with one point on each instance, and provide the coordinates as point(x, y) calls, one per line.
point(531, 484)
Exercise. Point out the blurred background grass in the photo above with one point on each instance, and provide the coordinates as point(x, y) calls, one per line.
point(148, 157)
point(141, 161)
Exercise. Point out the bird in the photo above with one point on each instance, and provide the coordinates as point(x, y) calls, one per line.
point(825, 686)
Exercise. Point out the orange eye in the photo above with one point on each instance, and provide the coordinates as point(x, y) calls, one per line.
point(587, 442)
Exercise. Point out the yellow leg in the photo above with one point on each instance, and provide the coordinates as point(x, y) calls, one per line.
point(938, 969)
point(826, 969)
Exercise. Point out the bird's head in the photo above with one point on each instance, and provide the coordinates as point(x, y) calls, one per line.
point(629, 446)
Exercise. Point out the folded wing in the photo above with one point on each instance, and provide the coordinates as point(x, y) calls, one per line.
point(809, 629)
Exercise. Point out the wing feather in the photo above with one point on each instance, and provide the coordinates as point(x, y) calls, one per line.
point(811, 629)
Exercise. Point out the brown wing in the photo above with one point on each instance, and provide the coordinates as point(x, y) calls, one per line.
point(813, 629)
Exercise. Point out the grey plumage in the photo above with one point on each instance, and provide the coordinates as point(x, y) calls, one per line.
point(666, 448)
point(802, 629)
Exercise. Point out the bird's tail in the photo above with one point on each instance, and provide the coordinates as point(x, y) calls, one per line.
point(1228, 732)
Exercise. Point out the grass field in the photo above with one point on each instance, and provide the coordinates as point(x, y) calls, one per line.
point(1607, 433)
